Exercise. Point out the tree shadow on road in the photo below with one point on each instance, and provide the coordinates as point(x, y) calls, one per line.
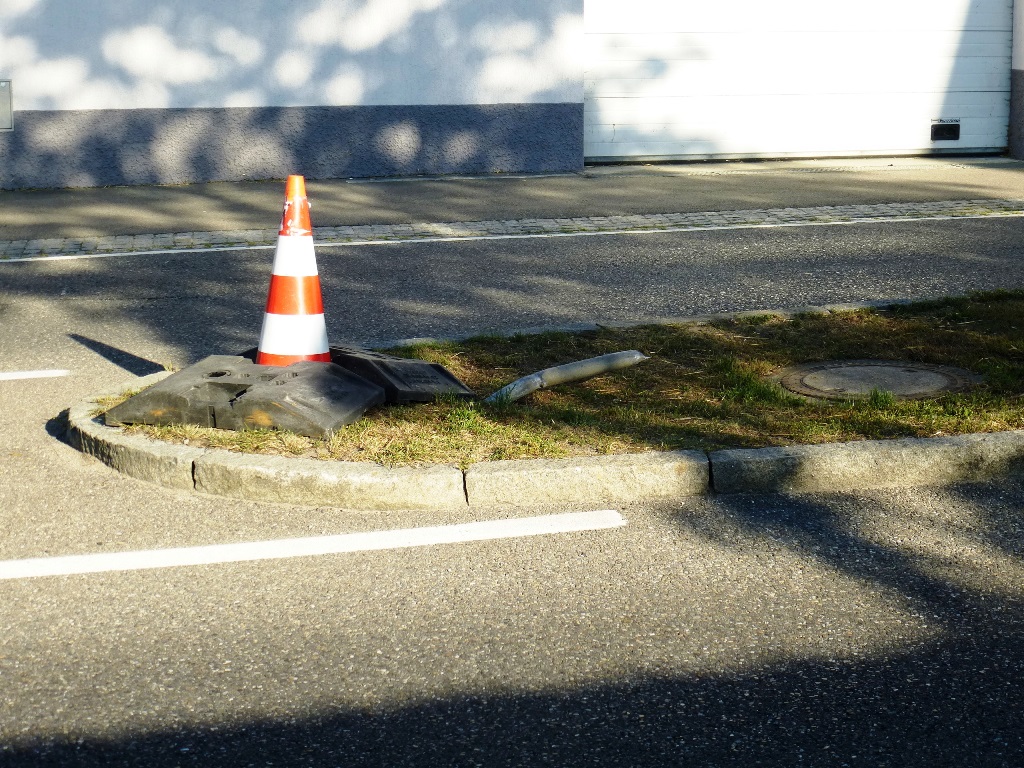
point(202, 304)
point(134, 364)
point(954, 698)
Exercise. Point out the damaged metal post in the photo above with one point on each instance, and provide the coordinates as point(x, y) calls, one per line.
point(563, 374)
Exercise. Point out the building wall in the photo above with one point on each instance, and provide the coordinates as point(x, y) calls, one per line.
point(1017, 83)
point(128, 91)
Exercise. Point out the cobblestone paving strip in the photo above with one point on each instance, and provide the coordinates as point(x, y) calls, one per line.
point(33, 250)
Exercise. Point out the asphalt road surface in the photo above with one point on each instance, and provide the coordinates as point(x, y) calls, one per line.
point(880, 629)
point(180, 308)
point(870, 629)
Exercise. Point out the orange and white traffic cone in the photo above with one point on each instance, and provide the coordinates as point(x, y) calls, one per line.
point(293, 325)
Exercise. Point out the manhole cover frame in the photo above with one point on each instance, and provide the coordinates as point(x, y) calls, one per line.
point(792, 379)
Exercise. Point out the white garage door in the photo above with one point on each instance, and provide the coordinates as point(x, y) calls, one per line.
point(694, 79)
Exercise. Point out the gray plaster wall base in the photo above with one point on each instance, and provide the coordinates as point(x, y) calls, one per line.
point(91, 148)
point(597, 480)
point(867, 464)
point(352, 485)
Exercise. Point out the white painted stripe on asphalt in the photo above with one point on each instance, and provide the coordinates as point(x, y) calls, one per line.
point(412, 240)
point(16, 375)
point(164, 252)
point(310, 546)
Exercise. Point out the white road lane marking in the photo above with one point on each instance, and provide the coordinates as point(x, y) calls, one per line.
point(164, 252)
point(17, 375)
point(310, 546)
point(414, 240)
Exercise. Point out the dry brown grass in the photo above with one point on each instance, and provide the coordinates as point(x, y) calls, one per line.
point(705, 387)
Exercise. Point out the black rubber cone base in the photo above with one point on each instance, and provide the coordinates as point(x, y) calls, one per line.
point(404, 380)
point(230, 392)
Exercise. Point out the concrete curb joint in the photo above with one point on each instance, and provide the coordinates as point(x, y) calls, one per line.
point(613, 479)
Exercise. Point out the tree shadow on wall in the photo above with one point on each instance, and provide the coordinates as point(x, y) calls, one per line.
point(452, 86)
point(149, 146)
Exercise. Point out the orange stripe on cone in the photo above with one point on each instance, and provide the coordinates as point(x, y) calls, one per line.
point(264, 358)
point(291, 295)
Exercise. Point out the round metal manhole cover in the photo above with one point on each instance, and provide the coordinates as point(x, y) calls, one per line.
point(852, 379)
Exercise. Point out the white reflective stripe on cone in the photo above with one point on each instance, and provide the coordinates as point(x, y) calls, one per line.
point(294, 256)
point(293, 334)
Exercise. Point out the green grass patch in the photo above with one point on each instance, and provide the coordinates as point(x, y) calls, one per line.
point(705, 387)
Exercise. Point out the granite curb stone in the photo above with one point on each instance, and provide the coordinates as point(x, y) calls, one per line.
point(134, 455)
point(614, 479)
point(348, 484)
point(618, 479)
point(866, 464)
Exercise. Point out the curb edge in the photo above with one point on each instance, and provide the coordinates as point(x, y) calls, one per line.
point(616, 478)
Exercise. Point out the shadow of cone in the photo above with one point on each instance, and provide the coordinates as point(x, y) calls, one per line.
point(293, 324)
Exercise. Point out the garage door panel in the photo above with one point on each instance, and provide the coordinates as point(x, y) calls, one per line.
point(745, 78)
point(871, 122)
point(641, 16)
point(825, 125)
point(708, 148)
point(700, 78)
point(711, 111)
point(602, 50)
point(779, 137)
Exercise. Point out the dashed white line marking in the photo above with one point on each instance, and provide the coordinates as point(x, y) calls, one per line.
point(310, 546)
point(48, 374)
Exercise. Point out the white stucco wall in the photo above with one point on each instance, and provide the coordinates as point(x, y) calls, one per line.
point(129, 54)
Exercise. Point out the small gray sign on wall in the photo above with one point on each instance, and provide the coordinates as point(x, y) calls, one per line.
point(6, 106)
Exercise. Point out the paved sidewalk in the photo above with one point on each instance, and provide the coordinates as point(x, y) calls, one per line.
point(71, 221)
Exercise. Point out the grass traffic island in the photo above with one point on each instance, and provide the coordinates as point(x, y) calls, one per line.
point(706, 386)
